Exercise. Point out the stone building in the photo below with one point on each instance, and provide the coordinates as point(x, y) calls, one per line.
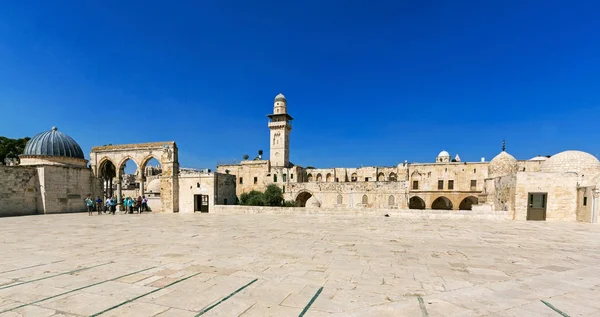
point(52, 177)
point(542, 188)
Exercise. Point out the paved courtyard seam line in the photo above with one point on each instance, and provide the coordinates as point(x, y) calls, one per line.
point(28, 267)
point(145, 294)
point(75, 290)
point(555, 309)
point(312, 300)
point(203, 311)
point(51, 276)
point(422, 306)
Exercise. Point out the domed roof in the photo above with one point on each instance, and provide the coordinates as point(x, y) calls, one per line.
point(53, 143)
point(538, 158)
point(153, 186)
point(502, 164)
point(280, 97)
point(571, 161)
point(444, 153)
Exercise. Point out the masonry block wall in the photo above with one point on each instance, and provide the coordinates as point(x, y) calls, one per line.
point(19, 191)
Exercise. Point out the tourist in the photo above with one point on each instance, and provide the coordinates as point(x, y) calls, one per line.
point(113, 205)
point(107, 205)
point(99, 205)
point(139, 204)
point(129, 205)
point(90, 205)
point(144, 203)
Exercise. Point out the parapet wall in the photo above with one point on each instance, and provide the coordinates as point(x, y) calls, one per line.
point(406, 213)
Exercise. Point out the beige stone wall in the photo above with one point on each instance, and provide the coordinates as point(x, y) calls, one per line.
point(19, 191)
point(584, 196)
point(351, 193)
point(247, 171)
point(65, 188)
point(530, 166)
point(561, 198)
point(502, 197)
point(219, 188)
point(52, 160)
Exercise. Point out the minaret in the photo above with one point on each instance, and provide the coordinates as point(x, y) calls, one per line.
point(280, 124)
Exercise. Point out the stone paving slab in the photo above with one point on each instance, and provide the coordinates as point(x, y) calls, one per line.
point(178, 265)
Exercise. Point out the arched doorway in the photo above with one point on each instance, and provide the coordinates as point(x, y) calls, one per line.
point(107, 172)
point(416, 202)
point(467, 203)
point(302, 198)
point(441, 203)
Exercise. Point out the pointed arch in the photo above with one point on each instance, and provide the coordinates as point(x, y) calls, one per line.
point(467, 203)
point(416, 202)
point(393, 177)
point(319, 177)
point(365, 199)
point(340, 199)
point(124, 160)
point(391, 200)
point(310, 177)
point(329, 178)
point(381, 177)
point(442, 203)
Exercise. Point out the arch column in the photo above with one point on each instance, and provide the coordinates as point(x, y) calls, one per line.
point(119, 191)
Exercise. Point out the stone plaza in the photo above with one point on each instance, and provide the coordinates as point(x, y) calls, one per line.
point(295, 265)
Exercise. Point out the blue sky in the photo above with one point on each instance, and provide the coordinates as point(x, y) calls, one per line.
point(367, 82)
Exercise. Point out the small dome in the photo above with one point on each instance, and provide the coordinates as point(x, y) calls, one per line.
point(571, 161)
point(280, 97)
point(444, 153)
point(53, 143)
point(502, 164)
point(538, 158)
point(153, 186)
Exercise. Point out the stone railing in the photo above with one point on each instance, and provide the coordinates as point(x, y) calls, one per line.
point(405, 213)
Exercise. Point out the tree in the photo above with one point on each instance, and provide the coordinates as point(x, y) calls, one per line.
point(252, 198)
point(11, 148)
point(273, 196)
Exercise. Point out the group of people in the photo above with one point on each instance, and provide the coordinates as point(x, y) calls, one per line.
point(110, 204)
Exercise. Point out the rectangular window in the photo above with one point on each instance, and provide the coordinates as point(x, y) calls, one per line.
point(225, 201)
point(415, 184)
point(337, 179)
point(440, 184)
point(366, 179)
point(585, 201)
point(473, 184)
point(450, 184)
point(291, 176)
point(275, 178)
point(255, 180)
point(284, 177)
point(241, 180)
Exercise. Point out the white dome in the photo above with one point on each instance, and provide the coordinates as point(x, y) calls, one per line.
point(444, 154)
point(502, 164)
point(538, 158)
point(572, 161)
point(153, 186)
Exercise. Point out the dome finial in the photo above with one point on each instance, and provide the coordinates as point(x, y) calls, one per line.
point(54, 128)
point(503, 145)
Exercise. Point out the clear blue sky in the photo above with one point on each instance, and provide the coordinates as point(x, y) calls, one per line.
point(368, 82)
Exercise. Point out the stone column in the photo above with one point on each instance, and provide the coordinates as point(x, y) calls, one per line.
point(141, 180)
point(119, 194)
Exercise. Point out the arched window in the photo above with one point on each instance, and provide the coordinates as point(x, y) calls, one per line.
point(198, 185)
point(365, 200)
point(319, 177)
point(380, 177)
point(391, 200)
point(354, 177)
point(310, 178)
point(340, 199)
point(328, 178)
point(393, 177)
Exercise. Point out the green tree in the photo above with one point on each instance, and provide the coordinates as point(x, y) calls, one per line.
point(252, 198)
point(11, 148)
point(273, 196)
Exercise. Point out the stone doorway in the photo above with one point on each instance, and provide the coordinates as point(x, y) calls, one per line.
point(536, 207)
point(201, 203)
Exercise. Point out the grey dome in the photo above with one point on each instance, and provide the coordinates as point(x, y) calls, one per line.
point(53, 143)
point(280, 97)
